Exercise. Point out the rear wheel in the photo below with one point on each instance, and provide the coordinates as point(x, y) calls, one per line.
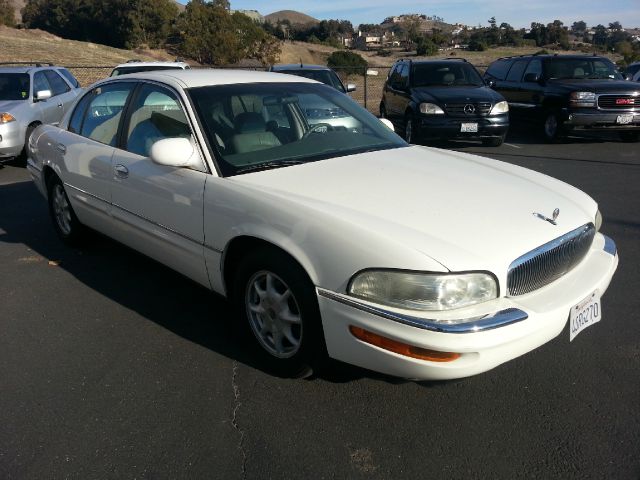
point(65, 222)
point(629, 136)
point(278, 302)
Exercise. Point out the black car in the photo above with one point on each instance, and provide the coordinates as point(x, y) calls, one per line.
point(443, 99)
point(563, 93)
point(318, 73)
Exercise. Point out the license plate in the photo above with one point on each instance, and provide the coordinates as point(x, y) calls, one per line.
point(624, 119)
point(470, 127)
point(584, 314)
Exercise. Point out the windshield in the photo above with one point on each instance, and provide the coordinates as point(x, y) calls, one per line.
point(14, 86)
point(579, 68)
point(268, 125)
point(445, 75)
point(324, 76)
point(138, 69)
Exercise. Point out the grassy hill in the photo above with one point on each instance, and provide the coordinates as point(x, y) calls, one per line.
point(296, 18)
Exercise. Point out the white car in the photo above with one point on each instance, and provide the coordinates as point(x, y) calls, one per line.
point(136, 66)
point(346, 242)
point(31, 96)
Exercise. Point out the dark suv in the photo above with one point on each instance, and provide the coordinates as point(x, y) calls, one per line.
point(443, 99)
point(563, 93)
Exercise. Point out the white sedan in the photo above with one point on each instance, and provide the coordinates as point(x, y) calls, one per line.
point(332, 240)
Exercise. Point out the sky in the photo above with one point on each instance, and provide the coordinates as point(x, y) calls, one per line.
point(518, 13)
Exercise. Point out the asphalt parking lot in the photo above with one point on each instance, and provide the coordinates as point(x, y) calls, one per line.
point(112, 366)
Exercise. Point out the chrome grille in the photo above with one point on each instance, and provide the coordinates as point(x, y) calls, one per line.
point(550, 261)
point(457, 109)
point(610, 102)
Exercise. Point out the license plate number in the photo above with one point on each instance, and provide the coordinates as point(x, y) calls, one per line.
point(584, 314)
point(469, 127)
point(624, 119)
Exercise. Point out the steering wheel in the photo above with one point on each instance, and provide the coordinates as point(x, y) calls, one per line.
point(318, 128)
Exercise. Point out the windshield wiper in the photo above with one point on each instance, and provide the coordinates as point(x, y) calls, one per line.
point(268, 165)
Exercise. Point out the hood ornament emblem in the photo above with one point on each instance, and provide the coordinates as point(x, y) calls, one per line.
point(551, 220)
point(469, 109)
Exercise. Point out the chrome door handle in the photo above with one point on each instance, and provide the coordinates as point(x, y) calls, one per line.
point(60, 105)
point(61, 148)
point(121, 171)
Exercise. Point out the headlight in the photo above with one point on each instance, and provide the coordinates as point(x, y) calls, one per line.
point(431, 109)
point(582, 99)
point(423, 291)
point(6, 118)
point(598, 220)
point(500, 107)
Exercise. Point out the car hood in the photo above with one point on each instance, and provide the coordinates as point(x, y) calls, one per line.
point(11, 105)
point(463, 211)
point(596, 86)
point(444, 95)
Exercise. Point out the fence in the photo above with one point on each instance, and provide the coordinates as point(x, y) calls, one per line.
point(369, 81)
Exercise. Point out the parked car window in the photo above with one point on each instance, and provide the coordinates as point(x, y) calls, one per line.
point(535, 66)
point(441, 74)
point(324, 76)
point(156, 114)
point(499, 69)
point(58, 85)
point(14, 86)
point(321, 123)
point(403, 79)
point(40, 83)
point(393, 75)
point(580, 68)
point(515, 74)
point(102, 117)
point(75, 124)
point(69, 76)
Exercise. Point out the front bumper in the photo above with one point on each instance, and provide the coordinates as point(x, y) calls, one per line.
point(508, 328)
point(598, 120)
point(446, 127)
point(11, 140)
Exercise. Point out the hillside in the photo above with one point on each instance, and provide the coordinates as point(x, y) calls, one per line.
point(296, 18)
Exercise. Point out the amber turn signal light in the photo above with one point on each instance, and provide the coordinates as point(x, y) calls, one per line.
point(402, 348)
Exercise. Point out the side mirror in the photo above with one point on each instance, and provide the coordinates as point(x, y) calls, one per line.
point(387, 123)
point(42, 95)
point(532, 78)
point(351, 87)
point(175, 152)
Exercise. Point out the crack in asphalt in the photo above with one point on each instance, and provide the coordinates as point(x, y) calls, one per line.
point(234, 417)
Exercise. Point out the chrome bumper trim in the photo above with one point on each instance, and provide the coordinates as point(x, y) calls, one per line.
point(610, 246)
point(479, 324)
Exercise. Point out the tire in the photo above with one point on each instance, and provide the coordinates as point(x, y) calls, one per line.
point(65, 221)
point(287, 330)
point(551, 128)
point(493, 141)
point(409, 134)
point(629, 137)
point(27, 136)
point(383, 110)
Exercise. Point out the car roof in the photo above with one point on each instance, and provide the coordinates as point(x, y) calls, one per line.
point(549, 55)
point(134, 64)
point(298, 66)
point(26, 69)
point(211, 76)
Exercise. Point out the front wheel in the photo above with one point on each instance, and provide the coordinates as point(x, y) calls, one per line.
point(409, 134)
point(65, 222)
point(552, 127)
point(278, 301)
point(629, 136)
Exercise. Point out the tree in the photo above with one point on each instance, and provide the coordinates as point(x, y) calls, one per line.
point(6, 13)
point(579, 28)
point(425, 46)
point(151, 21)
point(347, 62)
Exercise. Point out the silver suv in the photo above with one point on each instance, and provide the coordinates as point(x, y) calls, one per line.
point(30, 96)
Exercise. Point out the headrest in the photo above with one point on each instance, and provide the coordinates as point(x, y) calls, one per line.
point(249, 122)
point(448, 78)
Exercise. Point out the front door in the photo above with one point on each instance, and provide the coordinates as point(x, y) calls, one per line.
point(158, 209)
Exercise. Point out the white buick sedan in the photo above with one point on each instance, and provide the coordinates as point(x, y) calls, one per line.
point(332, 239)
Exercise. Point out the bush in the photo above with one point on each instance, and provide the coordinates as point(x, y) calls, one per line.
point(6, 13)
point(426, 47)
point(347, 62)
point(477, 46)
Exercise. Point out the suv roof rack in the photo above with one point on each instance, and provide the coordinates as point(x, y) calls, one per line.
point(35, 64)
point(134, 60)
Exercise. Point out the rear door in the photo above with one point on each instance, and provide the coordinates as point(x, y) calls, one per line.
point(511, 88)
point(157, 209)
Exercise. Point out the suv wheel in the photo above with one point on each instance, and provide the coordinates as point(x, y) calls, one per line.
point(409, 134)
point(629, 136)
point(551, 127)
point(493, 141)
